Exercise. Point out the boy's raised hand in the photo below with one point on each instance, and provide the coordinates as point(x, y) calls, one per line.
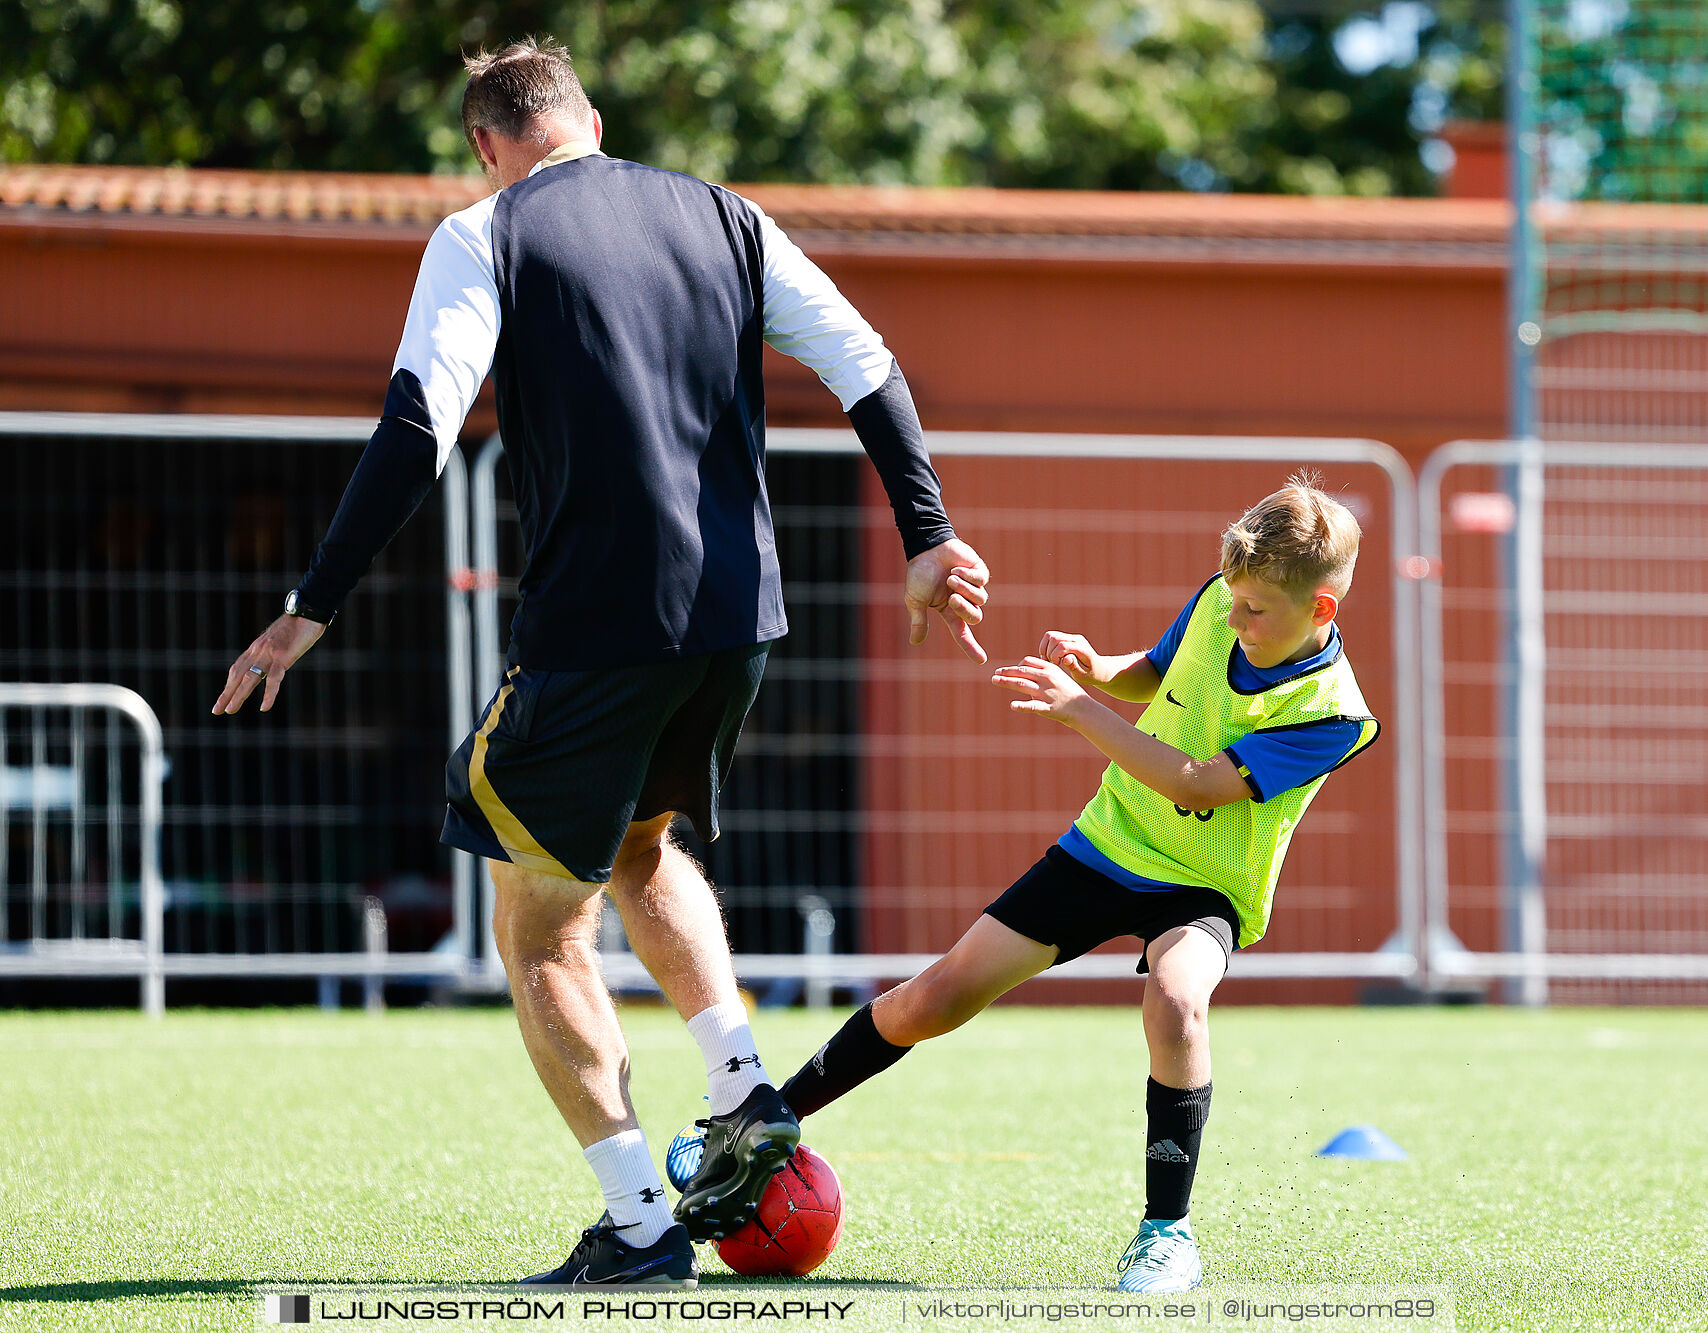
point(1074, 654)
point(1044, 689)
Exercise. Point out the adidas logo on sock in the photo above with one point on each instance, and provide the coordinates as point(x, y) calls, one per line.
point(1166, 1151)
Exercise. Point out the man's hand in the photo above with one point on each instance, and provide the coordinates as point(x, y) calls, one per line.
point(1047, 690)
point(1074, 654)
point(267, 659)
point(949, 579)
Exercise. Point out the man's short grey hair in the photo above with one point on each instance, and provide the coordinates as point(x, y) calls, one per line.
point(511, 90)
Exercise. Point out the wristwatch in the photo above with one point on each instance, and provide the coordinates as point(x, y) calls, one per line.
point(295, 606)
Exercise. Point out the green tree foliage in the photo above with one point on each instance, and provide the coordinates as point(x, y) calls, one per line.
point(216, 83)
point(1623, 99)
point(1111, 94)
point(1087, 93)
point(1335, 130)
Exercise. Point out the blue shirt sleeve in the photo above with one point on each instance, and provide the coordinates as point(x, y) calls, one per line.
point(1271, 762)
point(1169, 644)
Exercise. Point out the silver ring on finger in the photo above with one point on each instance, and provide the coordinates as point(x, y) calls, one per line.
point(256, 671)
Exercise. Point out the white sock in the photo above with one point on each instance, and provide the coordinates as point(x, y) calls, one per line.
point(629, 1181)
point(732, 1057)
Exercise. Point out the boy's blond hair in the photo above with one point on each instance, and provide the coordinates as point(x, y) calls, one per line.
point(1298, 539)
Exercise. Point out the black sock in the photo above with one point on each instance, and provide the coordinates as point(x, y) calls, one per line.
point(1175, 1118)
point(853, 1055)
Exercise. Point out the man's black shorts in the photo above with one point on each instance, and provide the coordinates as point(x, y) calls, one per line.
point(564, 761)
point(1064, 902)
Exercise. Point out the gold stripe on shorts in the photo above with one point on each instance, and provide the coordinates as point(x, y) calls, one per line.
point(513, 836)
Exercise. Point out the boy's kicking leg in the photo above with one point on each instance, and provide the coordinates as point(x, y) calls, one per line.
point(989, 960)
point(1186, 964)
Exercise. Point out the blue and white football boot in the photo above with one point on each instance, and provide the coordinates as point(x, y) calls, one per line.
point(1162, 1258)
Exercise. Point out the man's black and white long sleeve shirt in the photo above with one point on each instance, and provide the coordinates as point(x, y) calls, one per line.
point(621, 311)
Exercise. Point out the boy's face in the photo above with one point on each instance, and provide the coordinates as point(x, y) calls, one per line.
point(1274, 626)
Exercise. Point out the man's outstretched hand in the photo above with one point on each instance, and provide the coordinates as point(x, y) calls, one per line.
point(273, 654)
point(949, 579)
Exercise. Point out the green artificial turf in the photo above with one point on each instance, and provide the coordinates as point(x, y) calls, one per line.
point(158, 1175)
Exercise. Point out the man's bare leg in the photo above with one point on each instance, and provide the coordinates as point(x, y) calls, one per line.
point(547, 930)
point(673, 920)
point(677, 930)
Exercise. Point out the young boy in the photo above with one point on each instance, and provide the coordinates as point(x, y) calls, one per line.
point(1254, 704)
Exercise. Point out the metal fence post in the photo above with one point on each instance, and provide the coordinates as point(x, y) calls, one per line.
point(1404, 571)
point(374, 945)
point(1433, 707)
point(459, 685)
point(819, 925)
point(1528, 691)
point(153, 887)
point(488, 645)
point(488, 656)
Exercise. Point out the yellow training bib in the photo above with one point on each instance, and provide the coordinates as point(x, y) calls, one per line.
point(1237, 848)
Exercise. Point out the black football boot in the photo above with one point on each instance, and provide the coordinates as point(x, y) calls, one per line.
point(602, 1258)
point(744, 1149)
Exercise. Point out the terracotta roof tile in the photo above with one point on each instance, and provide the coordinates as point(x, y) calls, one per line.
point(877, 217)
point(336, 197)
point(301, 196)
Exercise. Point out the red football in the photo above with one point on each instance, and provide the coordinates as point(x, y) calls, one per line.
point(798, 1223)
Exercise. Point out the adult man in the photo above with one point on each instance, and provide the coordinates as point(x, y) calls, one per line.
point(621, 310)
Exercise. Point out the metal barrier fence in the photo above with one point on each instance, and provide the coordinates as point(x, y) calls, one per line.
point(1553, 824)
point(86, 897)
point(889, 784)
point(147, 551)
point(1566, 792)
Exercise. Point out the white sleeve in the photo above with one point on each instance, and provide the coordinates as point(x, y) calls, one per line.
point(808, 319)
point(451, 333)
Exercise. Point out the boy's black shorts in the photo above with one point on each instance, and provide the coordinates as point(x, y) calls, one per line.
point(1064, 902)
point(564, 761)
